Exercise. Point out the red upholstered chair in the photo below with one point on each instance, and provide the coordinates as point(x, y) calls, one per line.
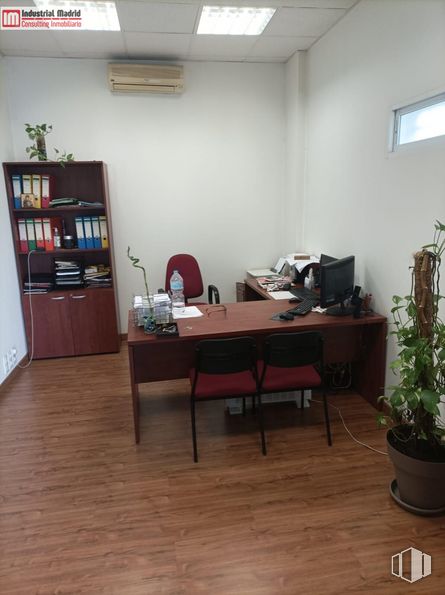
point(188, 268)
point(224, 368)
point(294, 361)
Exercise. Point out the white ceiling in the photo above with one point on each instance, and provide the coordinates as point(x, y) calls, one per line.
point(166, 30)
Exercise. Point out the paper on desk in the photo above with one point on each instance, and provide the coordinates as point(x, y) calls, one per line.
point(188, 312)
point(281, 295)
point(300, 264)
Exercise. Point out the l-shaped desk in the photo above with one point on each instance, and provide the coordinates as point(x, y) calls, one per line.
point(361, 341)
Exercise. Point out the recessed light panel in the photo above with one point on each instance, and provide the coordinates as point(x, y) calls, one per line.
point(234, 20)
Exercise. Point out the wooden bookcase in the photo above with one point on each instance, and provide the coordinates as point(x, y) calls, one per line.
point(67, 321)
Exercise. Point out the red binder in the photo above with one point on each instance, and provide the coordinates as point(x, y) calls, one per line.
point(23, 238)
point(47, 190)
point(40, 242)
point(48, 234)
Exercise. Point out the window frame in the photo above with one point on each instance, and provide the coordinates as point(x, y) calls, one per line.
point(399, 112)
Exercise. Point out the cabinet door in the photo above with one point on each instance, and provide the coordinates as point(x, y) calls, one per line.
point(93, 320)
point(52, 324)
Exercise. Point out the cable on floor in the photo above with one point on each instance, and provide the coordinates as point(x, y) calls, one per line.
point(349, 431)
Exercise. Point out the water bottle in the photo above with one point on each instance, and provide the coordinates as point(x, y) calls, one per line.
point(177, 290)
point(309, 280)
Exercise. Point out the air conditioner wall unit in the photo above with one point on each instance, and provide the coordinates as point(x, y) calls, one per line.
point(145, 78)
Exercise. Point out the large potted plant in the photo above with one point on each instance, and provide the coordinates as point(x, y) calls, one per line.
point(416, 435)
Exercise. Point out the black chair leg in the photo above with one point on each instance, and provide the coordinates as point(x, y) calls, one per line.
point(244, 406)
point(253, 404)
point(326, 417)
point(302, 400)
point(260, 420)
point(195, 447)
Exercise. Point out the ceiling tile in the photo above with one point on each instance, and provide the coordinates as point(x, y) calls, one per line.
point(24, 3)
point(148, 45)
point(308, 22)
point(285, 47)
point(211, 58)
point(157, 18)
point(103, 43)
point(265, 60)
point(29, 40)
point(33, 54)
point(319, 3)
point(165, 30)
point(221, 45)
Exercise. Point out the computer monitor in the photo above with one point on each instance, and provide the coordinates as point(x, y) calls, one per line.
point(325, 259)
point(336, 285)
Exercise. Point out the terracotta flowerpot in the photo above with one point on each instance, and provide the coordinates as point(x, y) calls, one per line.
point(421, 484)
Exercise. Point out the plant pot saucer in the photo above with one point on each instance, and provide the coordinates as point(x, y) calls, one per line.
point(394, 491)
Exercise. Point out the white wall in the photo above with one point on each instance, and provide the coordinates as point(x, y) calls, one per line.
point(360, 199)
point(201, 173)
point(293, 216)
point(11, 320)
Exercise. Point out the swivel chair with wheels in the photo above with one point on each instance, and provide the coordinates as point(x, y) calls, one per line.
point(188, 268)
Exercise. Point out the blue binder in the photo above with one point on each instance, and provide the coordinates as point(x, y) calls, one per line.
point(89, 242)
point(96, 231)
point(17, 190)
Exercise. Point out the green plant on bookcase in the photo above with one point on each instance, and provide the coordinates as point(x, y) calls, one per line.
point(37, 134)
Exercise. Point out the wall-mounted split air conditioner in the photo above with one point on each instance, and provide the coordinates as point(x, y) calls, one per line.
point(145, 78)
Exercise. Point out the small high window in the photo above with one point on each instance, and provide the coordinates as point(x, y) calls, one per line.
point(419, 121)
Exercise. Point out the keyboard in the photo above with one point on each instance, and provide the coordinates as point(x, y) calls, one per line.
point(303, 307)
point(302, 293)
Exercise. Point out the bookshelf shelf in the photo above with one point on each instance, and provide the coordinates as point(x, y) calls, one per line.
point(66, 321)
point(54, 212)
point(66, 251)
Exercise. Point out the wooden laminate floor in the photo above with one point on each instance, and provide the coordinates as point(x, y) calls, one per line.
point(84, 510)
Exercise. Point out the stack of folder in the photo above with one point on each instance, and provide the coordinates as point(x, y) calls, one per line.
point(38, 283)
point(92, 232)
point(97, 275)
point(68, 274)
point(32, 191)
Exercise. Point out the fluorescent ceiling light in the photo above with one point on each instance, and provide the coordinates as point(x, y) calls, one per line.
point(96, 16)
point(234, 20)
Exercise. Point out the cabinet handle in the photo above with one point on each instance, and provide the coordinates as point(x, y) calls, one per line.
point(78, 297)
point(58, 299)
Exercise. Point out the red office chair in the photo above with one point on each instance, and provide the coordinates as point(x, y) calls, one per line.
point(294, 361)
point(188, 268)
point(224, 368)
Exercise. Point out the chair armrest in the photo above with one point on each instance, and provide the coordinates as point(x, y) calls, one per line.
point(213, 291)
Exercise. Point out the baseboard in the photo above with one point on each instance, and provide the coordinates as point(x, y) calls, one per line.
point(123, 336)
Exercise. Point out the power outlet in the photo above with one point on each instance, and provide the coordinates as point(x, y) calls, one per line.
point(14, 355)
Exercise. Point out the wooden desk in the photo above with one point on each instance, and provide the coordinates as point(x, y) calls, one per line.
point(253, 292)
point(360, 341)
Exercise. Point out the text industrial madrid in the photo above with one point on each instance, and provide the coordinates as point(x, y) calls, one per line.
point(48, 14)
point(47, 19)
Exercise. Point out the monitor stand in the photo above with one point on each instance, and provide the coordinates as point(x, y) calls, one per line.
point(340, 310)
